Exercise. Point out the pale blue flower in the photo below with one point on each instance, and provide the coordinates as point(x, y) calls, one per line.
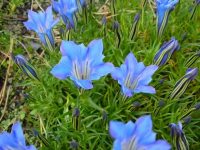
point(134, 77)
point(164, 7)
point(42, 23)
point(136, 136)
point(66, 9)
point(14, 140)
point(82, 64)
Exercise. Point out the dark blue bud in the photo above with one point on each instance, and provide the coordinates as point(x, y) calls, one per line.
point(187, 119)
point(23, 64)
point(104, 20)
point(183, 83)
point(35, 132)
point(178, 136)
point(76, 112)
point(136, 104)
point(161, 103)
point(116, 25)
point(166, 51)
point(197, 106)
point(74, 145)
point(191, 73)
point(137, 17)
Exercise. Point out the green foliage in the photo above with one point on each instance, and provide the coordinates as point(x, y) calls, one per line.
point(50, 102)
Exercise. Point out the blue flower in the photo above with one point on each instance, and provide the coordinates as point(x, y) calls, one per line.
point(134, 77)
point(164, 7)
point(178, 136)
point(66, 9)
point(82, 64)
point(166, 51)
point(135, 136)
point(182, 84)
point(42, 23)
point(14, 140)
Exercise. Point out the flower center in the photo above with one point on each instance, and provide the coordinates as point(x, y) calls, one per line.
point(81, 70)
point(129, 82)
point(130, 145)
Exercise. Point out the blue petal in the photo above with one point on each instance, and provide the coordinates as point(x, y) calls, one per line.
point(49, 14)
point(7, 139)
point(85, 84)
point(42, 38)
point(119, 73)
point(101, 70)
point(17, 133)
point(143, 132)
point(120, 131)
point(50, 36)
point(63, 69)
point(56, 6)
point(117, 145)
point(145, 77)
point(131, 62)
point(128, 92)
point(30, 26)
point(71, 6)
point(145, 89)
point(94, 52)
point(158, 145)
point(70, 17)
point(138, 69)
point(49, 18)
point(72, 50)
point(31, 147)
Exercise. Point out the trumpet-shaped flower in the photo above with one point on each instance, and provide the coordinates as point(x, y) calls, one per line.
point(164, 7)
point(82, 64)
point(42, 23)
point(14, 140)
point(134, 77)
point(23, 64)
point(183, 82)
point(136, 136)
point(178, 136)
point(166, 51)
point(66, 9)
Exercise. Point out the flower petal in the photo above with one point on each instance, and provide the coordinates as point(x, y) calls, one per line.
point(7, 139)
point(117, 145)
point(31, 147)
point(145, 76)
point(145, 89)
point(131, 62)
point(17, 133)
point(101, 70)
point(72, 50)
point(95, 50)
point(128, 92)
point(119, 130)
point(143, 132)
point(119, 73)
point(63, 69)
point(85, 84)
point(158, 145)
